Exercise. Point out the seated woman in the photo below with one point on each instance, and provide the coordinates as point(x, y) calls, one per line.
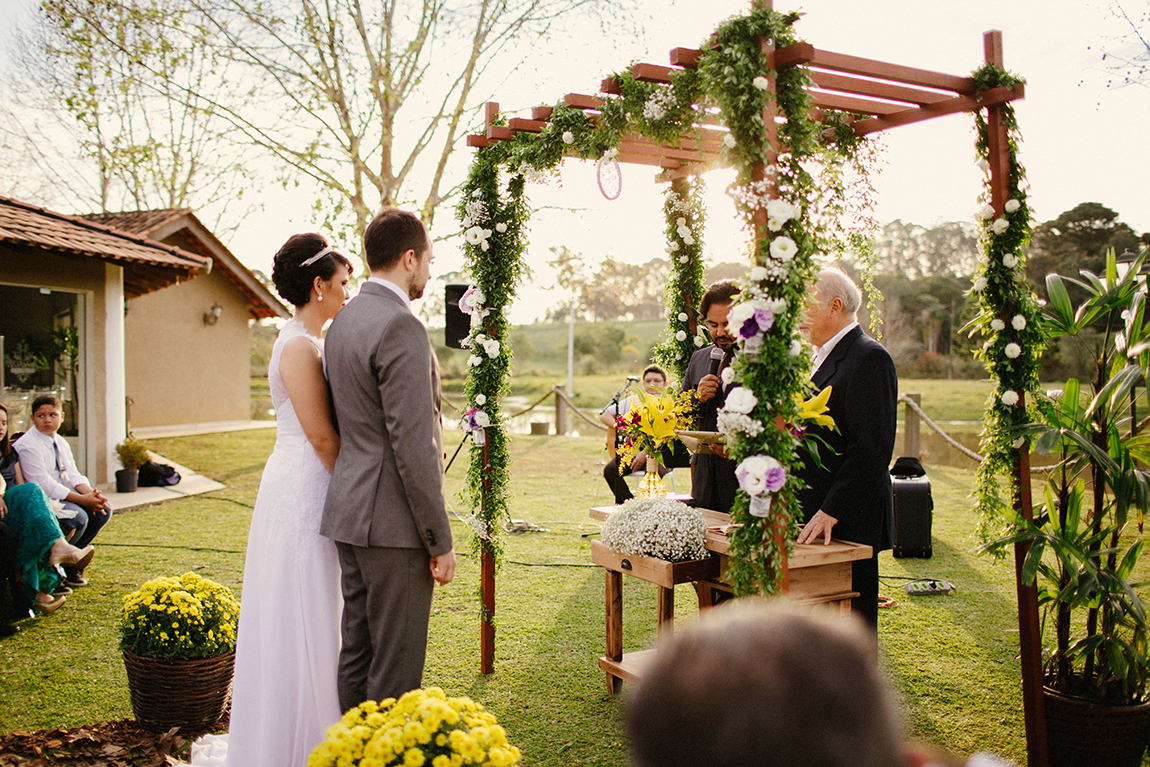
point(38, 543)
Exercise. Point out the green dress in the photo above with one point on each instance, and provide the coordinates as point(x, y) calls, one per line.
point(34, 529)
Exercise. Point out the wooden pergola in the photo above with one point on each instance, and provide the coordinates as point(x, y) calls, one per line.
point(882, 96)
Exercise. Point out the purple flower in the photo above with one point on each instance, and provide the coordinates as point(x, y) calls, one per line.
point(776, 478)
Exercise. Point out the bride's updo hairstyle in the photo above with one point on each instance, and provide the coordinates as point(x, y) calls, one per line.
point(295, 266)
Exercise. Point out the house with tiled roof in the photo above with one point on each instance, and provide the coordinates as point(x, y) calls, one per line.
point(132, 319)
point(198, 329)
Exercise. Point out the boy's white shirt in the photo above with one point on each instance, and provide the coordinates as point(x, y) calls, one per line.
point(38, 463)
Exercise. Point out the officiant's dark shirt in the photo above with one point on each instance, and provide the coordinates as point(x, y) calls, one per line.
point(713, 482)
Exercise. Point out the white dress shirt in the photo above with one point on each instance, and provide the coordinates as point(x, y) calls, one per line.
point(48, 462)
point(826, 349)
point(393, 288)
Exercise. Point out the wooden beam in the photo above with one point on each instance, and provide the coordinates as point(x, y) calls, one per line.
point(652, 73)
point(687, 58)
point(841, 62)
point(527, 126)
point(500, 133)
point(653, 149)
point(610, 85)
point(883, 90)
point(490, 112)
point(684, 171)
point(855, 104)
point(791, 56)
point(541, 112)
point(477, 141)
point(957, 104)
point(582, 101)
point(647, 159)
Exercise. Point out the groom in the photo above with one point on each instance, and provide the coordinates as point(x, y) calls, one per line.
point(385, 508)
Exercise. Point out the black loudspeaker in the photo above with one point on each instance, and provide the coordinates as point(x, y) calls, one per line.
point(458, 324)
point(913, 516)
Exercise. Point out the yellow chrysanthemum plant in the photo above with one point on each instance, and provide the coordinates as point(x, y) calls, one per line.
point(650, 424)
point(423, 728)
point(189, 617)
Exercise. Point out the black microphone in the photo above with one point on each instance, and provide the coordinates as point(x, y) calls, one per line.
point(633, 378)
point(717, 355)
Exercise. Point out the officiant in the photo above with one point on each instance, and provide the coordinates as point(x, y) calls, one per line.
point(713, 482)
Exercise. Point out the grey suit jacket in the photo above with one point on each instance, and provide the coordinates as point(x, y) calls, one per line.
point(387, 489)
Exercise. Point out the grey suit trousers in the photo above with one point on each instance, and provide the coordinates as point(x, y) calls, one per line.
point(390, 582)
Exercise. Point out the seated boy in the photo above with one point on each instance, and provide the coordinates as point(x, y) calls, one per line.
point(46, 459)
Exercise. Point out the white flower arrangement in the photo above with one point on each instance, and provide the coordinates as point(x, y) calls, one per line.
point(997, 325)
point(501, 227)
point(568, 137)
point(1012, 205)
point(783, 248)
point(732, 425)
point(1010, 260)
point(658, 105)
point(491, 346)
point(699, 341)
point(758, 274)
point(1012, 350)
point(986, 212)
point(780, 212)
point(480, 399)
point(980, 285)
point(1019, 322)
point(1000, 225)
point(729, 141)
point(681, 335)
point(682, 316)
point(761, 83)
point(796, 347)
point(1010, 398)
point(657, 527)
point(983, 164)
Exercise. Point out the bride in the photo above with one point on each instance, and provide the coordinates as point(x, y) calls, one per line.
point(284, 696)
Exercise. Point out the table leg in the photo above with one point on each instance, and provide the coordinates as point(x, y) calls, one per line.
point(614, 602)
point(666, 620)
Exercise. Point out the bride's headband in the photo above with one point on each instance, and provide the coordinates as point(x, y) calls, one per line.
point(318, 256)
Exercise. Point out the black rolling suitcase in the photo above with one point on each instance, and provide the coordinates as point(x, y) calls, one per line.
point(913, 508)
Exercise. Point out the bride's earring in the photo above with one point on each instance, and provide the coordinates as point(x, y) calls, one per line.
point(319, 296)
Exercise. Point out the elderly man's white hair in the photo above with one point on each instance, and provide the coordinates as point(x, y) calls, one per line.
point(835, 283)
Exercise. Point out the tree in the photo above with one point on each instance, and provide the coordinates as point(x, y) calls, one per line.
point(120, 81)
point(364, 100)
point(915, 251)
point(1077, 239)
point(1128, 55)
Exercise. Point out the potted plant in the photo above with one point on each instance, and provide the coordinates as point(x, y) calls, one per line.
point(133, 453)
point(1083, 549)
point(178, 638)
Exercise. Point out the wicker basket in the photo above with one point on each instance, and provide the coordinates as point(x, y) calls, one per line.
point(190, 694)
point(1080, 732)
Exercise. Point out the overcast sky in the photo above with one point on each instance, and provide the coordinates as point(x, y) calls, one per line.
point(1081, 140)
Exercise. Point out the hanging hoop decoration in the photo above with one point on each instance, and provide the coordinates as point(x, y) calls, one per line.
point(609, 175)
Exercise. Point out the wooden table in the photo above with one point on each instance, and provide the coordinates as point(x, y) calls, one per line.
point(818, 574)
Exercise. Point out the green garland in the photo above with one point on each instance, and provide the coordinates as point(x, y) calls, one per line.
point(1009, 315)
point(685, 333)
point(732, 75)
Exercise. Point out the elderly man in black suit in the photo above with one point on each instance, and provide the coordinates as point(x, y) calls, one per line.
point(851, 492)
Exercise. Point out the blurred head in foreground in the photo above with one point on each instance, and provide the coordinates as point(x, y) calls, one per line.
point(757, 685)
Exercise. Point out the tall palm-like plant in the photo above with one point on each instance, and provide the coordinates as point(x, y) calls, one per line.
point(1081, 541)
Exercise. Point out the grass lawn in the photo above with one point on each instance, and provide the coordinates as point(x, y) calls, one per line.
point(949, 658)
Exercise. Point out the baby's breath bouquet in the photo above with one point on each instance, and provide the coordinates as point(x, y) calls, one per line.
point(650, 425)
point(422, 728)
point(657, 527)
point(189, 617)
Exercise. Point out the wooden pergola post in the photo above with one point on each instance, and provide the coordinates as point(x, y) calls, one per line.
point(1029, 634)
point(487, 593)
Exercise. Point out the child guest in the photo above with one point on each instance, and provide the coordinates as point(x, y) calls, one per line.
point(46, 459)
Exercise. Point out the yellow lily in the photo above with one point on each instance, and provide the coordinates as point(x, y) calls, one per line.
point(815, 408)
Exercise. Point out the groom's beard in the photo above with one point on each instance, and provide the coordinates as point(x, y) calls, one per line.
point(415, 291)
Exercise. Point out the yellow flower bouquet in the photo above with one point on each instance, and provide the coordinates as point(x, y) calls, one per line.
point(650, 425)
point(189, 617)
point(422, 728)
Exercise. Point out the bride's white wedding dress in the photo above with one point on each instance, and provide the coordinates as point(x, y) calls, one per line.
point(284, 696)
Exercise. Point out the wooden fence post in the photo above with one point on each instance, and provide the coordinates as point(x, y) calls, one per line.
point(911, 424)
point(560, 412)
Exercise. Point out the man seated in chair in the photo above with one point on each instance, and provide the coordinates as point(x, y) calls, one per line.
point(654, 381)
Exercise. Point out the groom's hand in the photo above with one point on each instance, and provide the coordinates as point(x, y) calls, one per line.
point(443, 568)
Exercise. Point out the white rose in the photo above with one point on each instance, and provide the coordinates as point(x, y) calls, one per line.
point(796, 348)
point(1012, 350)
point(699, 341)
point(482, 420)
point(783, 248)
point(683, 231)
point(739, 314)
point(682, 316)
point(761, 83)
point(980, 284)
point(568, 137)
point(775, 224)
point(740, 400)
point(728, 375)
point(683, 259)
point(1010, 398)
point(688, 239)
point(484, 246)
point(1000, 225)
point(1010, 260)
point(474, 361)
point(782, 209)
point(986, 212)
point(681, 335)
point(491, 347)
point(997, 325)
point(1012, 205)
point(1018, 442)
point(680, 221)
point(777, 305)
point(1019, 322)
point(501, 227)
point(474, 235)
point(672, 247)
point(481, 399)
point(984, 164)
point(758, 273)
point(729, 141)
